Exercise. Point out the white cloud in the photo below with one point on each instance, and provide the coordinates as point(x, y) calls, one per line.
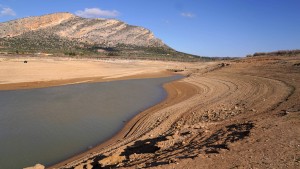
point(96, 13)
point(7, 12)
point(187, 14)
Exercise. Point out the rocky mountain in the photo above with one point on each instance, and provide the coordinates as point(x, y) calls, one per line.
point(73, 35)
point(107, 32)
point(20, 26)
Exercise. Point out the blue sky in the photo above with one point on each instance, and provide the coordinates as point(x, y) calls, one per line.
point(202, 27)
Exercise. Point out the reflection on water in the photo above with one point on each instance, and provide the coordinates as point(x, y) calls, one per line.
point(51, 124)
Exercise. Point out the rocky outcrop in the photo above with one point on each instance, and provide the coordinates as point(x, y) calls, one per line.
point(104, 32)
point(17, 27)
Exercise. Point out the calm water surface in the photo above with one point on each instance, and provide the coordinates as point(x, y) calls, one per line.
point(51, 124)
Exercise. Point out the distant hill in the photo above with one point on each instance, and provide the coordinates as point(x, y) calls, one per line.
point(67, 34)
point(277, 53)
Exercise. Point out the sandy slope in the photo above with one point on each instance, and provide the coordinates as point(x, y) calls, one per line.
point(242, 114)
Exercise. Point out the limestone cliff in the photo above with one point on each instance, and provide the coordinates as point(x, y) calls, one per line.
point(17, 27)
point(105, 32)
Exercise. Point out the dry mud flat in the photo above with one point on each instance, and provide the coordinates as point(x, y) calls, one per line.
point(238, 114)
point(52, 71)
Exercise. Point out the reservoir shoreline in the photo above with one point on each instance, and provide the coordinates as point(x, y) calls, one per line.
point(177, 91)
point(62, 82)
point(200, 122)
point(171, 88)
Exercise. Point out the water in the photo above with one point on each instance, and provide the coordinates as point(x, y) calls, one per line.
point(51, 124)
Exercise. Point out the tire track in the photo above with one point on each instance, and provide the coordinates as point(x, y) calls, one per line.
point(212, 94)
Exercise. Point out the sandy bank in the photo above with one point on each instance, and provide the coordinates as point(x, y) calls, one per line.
point(44, 72)
point(177, 92)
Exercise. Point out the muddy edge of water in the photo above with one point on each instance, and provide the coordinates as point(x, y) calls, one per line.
point(60, 116)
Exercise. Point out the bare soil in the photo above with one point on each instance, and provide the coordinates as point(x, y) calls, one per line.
point(239, 114)
point(234, 114)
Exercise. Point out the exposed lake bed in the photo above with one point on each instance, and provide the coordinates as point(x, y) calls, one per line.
point(223, 114)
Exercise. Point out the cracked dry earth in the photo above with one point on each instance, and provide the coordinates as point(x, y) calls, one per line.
point(239, 114)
